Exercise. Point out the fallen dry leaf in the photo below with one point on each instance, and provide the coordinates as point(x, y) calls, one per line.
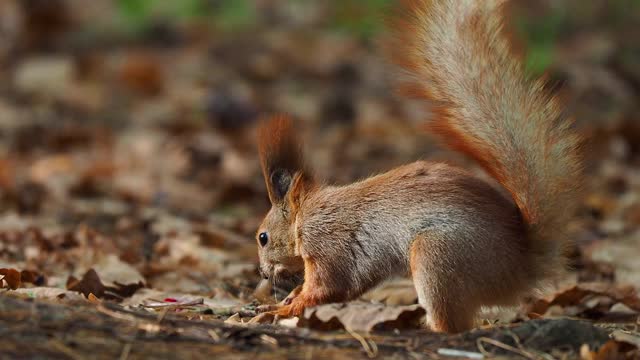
point(365, 317)
point(14, 278)
point(27, 276)
point(622, 254)
point(290, 322)
point(91, 284)
point(234, 319)
point(263, 318)
point(395, 292)
point(93, 299)
point(113, 270)
point(11, 277)
point(142, 73)
point(50, 293)
point(220, 304)
point(581, 294)
point(626, 337)
point(173, 304)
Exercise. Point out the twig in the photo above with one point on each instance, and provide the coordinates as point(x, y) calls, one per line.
point(65, 350)
point(519, 344)
point(157, 304)
point(139, 322)
point(520, 350)
point(214, 335)
point(124, 355)
point(460, 353)
point(161, 315)
point(503, 346)
point(269, 339)
point(115, 314)
point(370, 348)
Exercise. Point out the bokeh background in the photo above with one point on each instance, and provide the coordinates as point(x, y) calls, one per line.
point(127, 127)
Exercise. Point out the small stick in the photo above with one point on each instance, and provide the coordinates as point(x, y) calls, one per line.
point(125, 351)
point(460, 353)
point(503, 346)
point(370, 348)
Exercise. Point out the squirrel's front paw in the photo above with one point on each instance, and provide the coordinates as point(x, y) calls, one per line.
point(284, 312)
point(286, 301)
point(276, 310)
point(295, 308)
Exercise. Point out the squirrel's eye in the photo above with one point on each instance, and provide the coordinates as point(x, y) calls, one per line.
point(263, 238)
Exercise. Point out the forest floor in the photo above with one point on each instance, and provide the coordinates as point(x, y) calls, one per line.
point(130, 190)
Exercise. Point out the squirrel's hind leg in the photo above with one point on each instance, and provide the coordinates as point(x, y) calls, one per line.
point(445, 301)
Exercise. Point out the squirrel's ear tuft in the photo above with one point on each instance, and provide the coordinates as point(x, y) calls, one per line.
point(281, 156)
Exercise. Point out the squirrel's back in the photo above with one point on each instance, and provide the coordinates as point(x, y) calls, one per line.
point(364, 231)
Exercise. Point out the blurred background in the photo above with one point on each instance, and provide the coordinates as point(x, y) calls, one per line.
point(127, 126)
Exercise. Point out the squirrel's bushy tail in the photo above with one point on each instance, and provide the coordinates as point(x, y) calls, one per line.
point(454, 54)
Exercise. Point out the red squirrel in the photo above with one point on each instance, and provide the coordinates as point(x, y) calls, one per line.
point(465, 243)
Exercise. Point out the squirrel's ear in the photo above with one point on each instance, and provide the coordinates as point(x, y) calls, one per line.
point(278, 184)
point(280, 156)
point(301, 185)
